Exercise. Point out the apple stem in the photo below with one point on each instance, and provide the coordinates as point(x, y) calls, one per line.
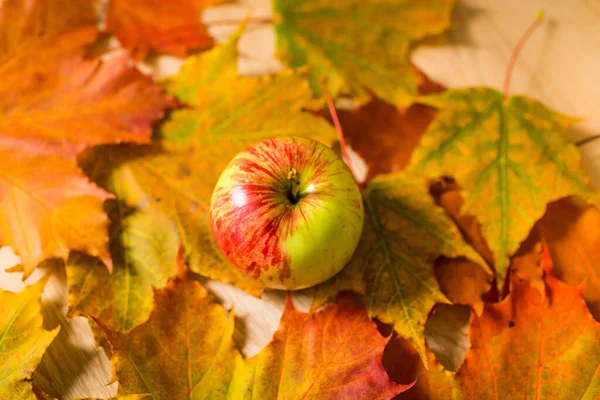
point(293, 176)
point(520, 44)
point(340, 133)
point(255, 20)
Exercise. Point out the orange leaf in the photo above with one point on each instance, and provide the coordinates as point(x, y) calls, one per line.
point(47, 207)
point(333, 354)
point(572, 231)
point(54, 102)
point(534, 346)
point(25, 23)
point(173, 26)
point(53, 94)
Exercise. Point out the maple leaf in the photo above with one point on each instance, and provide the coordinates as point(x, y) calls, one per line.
point(200, 141)
point(571, 231)
point(332, 354)
point(144, 245)
point(54, 95)
point(358, 45)
point(27, 23)
point(54, 103)
point(173, 27)
point(497, 148)
point(47, 207)
point(553, 343)
point(405, 232)
point(23, 341)
point(184, 350)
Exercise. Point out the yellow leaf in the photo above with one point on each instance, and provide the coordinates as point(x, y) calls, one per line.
point(23, 341)
point(184, 351)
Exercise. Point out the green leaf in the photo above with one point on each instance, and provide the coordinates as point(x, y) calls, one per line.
point(510, 157)
point(356, 44)
point(404, 233)
point(143, 244)
point(23, 341)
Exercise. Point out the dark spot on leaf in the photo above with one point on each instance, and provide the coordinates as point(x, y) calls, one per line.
point(511, 324)
point(183, 171)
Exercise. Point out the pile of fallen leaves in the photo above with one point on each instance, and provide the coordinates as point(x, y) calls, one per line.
point(479, 214)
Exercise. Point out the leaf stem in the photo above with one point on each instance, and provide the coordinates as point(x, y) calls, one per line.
point(520, 44)
point(340, 133)
point(587, 140)
point(255, 20)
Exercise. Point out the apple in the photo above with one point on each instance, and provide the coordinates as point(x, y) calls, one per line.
point(287, 212)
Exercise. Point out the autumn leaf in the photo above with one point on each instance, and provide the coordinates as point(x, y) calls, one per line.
point(99, 101)
point(184, 350)
point(52, 93)
point(173, 27)
point(571, 230)
point(144, 245)
point(54, 103)
point(497, 149)
point(333, 354)
point(23, 341)
point(27, 23)
point(405, 232)
point(357, 45)
point(446, 333)
point(47, 208)
point(532, 346)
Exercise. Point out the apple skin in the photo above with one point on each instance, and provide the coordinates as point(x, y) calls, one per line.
point(286, 241)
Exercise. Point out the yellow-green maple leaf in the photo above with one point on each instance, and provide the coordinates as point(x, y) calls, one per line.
point(23, 341)
point(358, 44)
point(393, 265)
point(510, 156)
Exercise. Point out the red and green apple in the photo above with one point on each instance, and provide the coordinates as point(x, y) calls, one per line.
point(287, 212)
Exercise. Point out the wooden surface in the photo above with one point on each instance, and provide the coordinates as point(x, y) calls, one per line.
point(559, 66)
